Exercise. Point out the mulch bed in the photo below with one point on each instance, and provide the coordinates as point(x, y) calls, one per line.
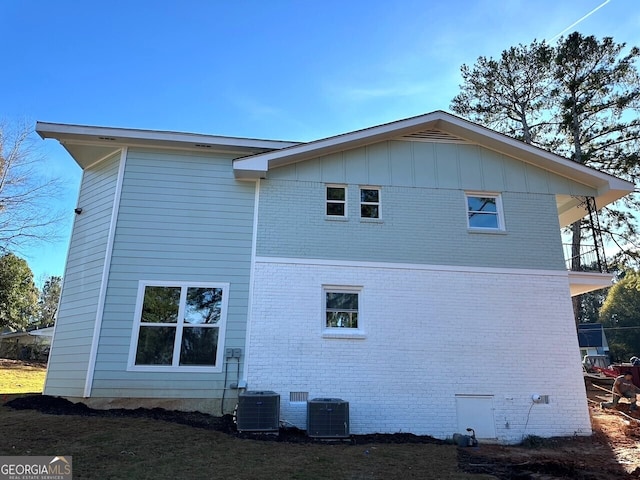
point(225, 424)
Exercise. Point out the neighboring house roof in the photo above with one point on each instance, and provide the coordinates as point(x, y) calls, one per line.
point(254, 158)
point(591, 335)
point(42, 332)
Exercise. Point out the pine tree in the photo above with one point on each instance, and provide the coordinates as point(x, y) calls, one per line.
point(579, 99)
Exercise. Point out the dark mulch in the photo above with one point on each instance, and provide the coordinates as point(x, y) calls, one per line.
point(225, 424)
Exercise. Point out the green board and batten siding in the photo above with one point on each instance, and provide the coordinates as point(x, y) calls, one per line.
point(423, 218)
point(71, 346)
point(183, 217)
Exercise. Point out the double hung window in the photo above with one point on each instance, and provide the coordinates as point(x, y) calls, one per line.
point(336, 201)
point(484, 212)
point(341, 308)
point(369, 202)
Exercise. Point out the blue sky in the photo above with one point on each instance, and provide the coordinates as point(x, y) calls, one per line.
point(280, 69)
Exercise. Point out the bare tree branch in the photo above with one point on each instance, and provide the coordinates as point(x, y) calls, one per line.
point(26, 191)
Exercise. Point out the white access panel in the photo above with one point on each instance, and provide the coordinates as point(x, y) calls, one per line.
point(476, 411)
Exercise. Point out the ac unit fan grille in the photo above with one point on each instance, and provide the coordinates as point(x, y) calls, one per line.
point(327, 418)
point(258, 411)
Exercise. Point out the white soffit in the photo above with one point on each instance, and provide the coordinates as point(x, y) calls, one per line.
point(87, 144)
point(584, 282)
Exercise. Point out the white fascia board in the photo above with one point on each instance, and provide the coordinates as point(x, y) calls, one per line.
point(264, 161)
point(534, 155)
point(82, 134)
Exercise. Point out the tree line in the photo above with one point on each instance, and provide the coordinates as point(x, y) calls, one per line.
point(23, 306)
point(27, 192)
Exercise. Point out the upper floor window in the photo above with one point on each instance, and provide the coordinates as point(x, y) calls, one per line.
point(179, 326)
point(369, 202)
point(484, 211)
point(336, 201)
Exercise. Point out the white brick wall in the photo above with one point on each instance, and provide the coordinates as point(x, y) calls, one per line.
point(430, 334)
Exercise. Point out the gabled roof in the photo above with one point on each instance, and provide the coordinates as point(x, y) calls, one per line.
point(609, 188)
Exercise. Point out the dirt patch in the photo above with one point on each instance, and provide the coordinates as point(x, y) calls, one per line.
point(580, 458)
point(8, 363)
point(612, 452)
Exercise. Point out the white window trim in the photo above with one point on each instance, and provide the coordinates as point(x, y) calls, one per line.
point(340, 332)
point(499, 212)
point(345, 202)
point(142, 284)
point(378, 203)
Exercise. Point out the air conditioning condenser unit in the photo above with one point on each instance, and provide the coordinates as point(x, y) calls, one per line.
point(258, 411)
point(328, 418)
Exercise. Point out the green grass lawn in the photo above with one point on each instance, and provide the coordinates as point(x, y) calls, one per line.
point(20, 377)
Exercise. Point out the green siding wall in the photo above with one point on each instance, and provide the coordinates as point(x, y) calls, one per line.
point(71, 345)
point(430, 164)
point(423, 208)
point(418, 225)
point(183, 217)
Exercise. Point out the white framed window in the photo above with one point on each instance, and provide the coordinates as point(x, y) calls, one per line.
point(179, 326)
point(336, 198)
point(342, 312)
point(484, 212)
point(341, 308)
point(370, 202)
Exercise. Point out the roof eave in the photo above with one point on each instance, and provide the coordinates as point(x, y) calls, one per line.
point(327, 146)
point(104, 140)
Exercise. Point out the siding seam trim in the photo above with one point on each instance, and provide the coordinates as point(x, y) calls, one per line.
point(254, 242)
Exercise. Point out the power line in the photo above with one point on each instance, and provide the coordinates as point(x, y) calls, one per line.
point(622, 328)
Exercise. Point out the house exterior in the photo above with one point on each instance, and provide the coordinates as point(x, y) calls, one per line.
point(30, 345)
point(407, 269)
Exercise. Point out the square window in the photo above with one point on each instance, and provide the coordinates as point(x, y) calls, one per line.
point(369, 202)
point(179, 326)
point(341, 309)
point(336, 201)
point(484, 212)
